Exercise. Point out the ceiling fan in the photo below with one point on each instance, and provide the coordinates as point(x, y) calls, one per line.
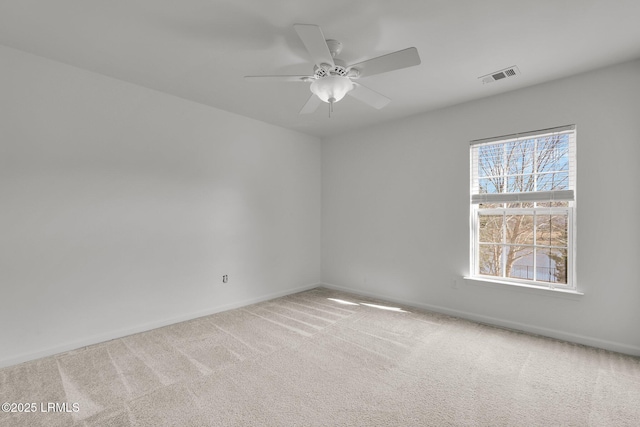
point(332, 79)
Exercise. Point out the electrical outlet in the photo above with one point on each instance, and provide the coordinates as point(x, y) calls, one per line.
point(225, 278)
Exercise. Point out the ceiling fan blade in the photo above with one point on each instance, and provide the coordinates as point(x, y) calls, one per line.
point(311, 105)
point(301, 79)
point(314, 41)
point(392, 61)
point(369, 96)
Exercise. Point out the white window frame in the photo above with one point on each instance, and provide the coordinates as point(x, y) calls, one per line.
point(568, 194)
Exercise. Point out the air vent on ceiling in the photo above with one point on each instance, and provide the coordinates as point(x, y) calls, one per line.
point(499, 75)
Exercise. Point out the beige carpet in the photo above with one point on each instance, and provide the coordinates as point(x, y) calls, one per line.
point(324, 358)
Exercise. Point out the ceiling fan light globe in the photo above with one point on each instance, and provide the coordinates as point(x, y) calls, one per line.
point(331, 88)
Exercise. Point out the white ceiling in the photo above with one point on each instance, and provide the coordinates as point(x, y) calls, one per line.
point(201, 49)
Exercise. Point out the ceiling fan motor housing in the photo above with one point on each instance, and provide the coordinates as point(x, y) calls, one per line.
point(339, 69)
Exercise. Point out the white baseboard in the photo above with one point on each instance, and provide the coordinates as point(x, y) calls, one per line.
point(96, 339)
point(503, 323)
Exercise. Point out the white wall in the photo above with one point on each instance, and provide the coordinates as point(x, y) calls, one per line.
point(121, 208)
point(395, 209)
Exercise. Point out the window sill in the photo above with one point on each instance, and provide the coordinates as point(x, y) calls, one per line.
point(521, 287)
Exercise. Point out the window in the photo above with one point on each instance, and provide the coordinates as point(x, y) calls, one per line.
point(523, 208)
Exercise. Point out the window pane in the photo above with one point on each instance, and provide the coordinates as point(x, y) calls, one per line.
point(519, 157)
point(491, 228)
point(491, 159)
point(553, 181)
point(520, 184)
point(490, 260)
point(553, 153)
point(551, 265)
point(520, 265)
point(519, 229)
point(552, 230)
point(491, 185)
